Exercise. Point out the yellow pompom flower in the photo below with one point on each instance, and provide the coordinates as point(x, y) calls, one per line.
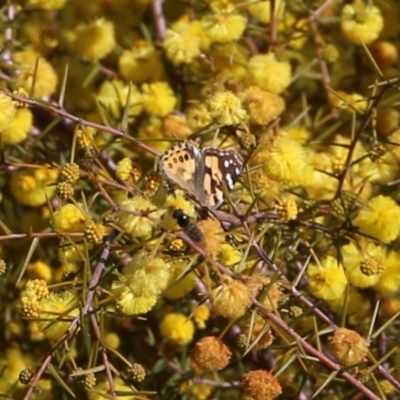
point(123, 169)
point(385, 53)
point(262, 107)
point(71, 254)
point(113, 96)
point(348, 346)
point(18, 130)
point(229, 255)
point(46, 78)
point(130, 219)
point(145, 275)
point(364, 263)
point(389, 282)
point(261, 10)
point(210, 354)
point(269, 74)
point(182, 281)
point(261, 385)
point(39, 270)
point(382, 169)
point(230, 299)
point(177, 328)
point(300, 134)
point(151, 128)
point(197, 116)
point(357, 304)
point(141, 63)
point(49, 5)
point(94, 40)
point(14, 361)
point(223, 24)
point(7, 112)
point(361, 22)
point(327, 281)
point(33, 187)
point(286, 209)
point(183, 41)
point(158, 98)
point(380, 218)
point(69, 218)
point(129, 304)
point(175, 126)
point(226, 108)
point(112, 340)
point(286, 161)
point(57, 308)
point(349, 102)
point(201, 314)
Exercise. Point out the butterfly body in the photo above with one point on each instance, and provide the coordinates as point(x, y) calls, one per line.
point(201, 172)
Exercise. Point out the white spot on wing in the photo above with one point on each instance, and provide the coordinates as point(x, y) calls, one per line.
point(229, 181)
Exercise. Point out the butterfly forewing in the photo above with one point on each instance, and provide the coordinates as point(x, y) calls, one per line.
point(179, 166)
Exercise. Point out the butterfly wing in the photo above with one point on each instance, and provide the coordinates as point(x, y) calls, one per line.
point(179, 167)
point(220, 167)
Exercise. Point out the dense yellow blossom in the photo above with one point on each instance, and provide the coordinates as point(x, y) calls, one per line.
point(158, 98)
point(327, 281)
point(184, 41)
point(364, 263)
point(389, 282)
point(57, 310)
point(231, 299)
point(262, 10)
point(266, 72)
point(130, 304)
point(69, 218)
point(93, 40)
point(141, 63)
point(380, 218)
point(286, 161)
point(182, 280)
point(46, 78)
point(224, 24)
point(113, 96)
point(226, 108)
point(130, 217)
point(18, 130)
point(145, 276)
point(33, 187)
point(39, 270)
point(361, 22)
point(201, 314)
point(177, 328)
point(7, 112)
point(262, 107)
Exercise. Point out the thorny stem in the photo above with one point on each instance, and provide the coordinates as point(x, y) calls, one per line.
point(364, 123)
point(87, 308)
point(56, 109)
point(313, 351)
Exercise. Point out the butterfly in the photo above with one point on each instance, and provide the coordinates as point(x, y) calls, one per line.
point(201, 172)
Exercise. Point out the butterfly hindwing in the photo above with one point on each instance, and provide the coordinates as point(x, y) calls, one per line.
point(221, 167)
